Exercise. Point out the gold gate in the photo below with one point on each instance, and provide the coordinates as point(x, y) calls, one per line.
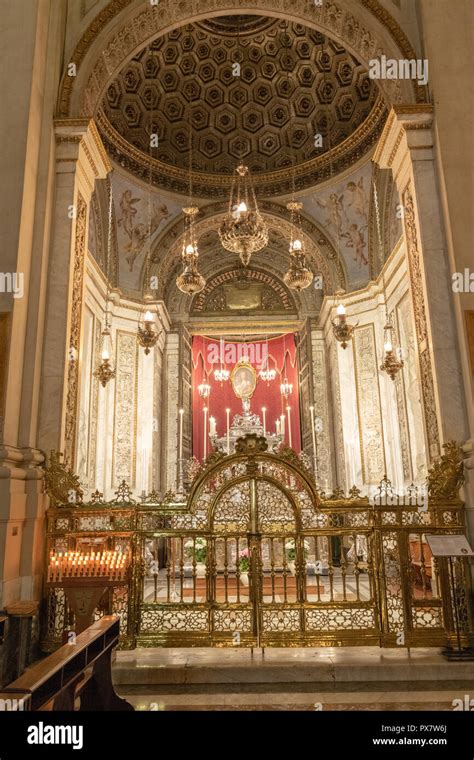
point(256, 555)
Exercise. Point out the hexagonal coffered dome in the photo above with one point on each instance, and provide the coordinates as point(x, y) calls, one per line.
point(290, 84)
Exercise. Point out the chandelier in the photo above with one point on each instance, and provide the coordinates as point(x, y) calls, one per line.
point(221, 374)
point(243, 230)
point(190, 281)
point(342, 329)
point(298, 275)
point(286, 388)
point(204, 389)
point(391, 363)
point(267, 374)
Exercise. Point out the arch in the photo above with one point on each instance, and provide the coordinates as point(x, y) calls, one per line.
point(123, 28)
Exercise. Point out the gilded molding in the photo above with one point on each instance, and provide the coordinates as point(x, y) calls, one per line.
point(72, 382)
point(421, 325)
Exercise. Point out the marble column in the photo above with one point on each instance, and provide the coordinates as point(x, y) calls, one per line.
point(80, 160)
point(170, 410)
point(408, 146)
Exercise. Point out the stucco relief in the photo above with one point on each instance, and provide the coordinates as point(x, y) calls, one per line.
point(125, 409)
point(368, 403)
point(322, 432)
point(419, 308)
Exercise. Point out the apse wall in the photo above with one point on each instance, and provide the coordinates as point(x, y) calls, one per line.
point(377, 421)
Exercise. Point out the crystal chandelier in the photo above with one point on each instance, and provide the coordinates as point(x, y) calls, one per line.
point(342, 329)
point(190, 281)
point(243, 230)
point(286, 388)
point(267, 374)
point(391, 363)
point(204, 389)
point(298, 275)
point(221, 374)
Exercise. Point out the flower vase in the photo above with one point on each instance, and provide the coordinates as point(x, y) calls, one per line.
point(244, 578)
point(291, 567)
point(200, 570)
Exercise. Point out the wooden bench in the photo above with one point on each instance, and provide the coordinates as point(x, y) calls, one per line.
point(77, 671)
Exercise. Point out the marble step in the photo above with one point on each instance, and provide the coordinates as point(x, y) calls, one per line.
point(206, 698)
point(348, 665)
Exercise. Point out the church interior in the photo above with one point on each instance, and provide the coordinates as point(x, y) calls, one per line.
point(236, 355)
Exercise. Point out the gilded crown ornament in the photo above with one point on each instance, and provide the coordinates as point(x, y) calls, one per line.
point(243, 230)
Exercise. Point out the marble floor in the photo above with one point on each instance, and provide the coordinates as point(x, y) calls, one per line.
point(349, 678)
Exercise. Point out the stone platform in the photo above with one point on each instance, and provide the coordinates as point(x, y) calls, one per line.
point(350, 678)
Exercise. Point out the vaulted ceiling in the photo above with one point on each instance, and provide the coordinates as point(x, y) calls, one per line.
point(294, 83)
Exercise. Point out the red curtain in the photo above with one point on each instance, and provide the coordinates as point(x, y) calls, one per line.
point(281, 355)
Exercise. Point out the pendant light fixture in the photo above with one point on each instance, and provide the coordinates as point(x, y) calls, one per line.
point(392, 362)
point(105, 370)
point(267, 374)
point(286, 388)
point(221, 375)
point(147, 332)
point(243, 230)
point(190, 281)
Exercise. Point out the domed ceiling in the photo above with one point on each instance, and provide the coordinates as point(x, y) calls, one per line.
point(294, 83)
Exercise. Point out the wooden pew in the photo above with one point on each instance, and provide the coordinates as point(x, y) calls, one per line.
point(80, 670)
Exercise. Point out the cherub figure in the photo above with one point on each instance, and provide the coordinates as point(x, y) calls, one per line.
point(357, 199)
point(335, 209)
point(127, 207)
point(356, 240)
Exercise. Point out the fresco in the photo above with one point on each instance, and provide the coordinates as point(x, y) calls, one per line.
point(139, 219)
point(343, 211)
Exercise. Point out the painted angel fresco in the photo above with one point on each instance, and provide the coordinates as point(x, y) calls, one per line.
point(357, 199)
point(138, 232)
point(356, 240)
point(334, 206)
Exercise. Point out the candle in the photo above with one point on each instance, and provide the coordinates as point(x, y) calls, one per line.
point(313, 435)
point(289, 425)
point(282, 425)
point(227, 411)
point(205, 432)
point(264, 411)
point(180, 455)
point(212, 426)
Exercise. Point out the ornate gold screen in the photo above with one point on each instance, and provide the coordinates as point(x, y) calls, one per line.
point(256, 556)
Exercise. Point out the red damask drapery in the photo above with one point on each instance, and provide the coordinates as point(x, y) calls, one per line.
point(282, 356)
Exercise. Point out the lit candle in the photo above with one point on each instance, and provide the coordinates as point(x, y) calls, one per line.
point(341, 310)
point(289, 425)
point(227, 411)
point(148, 317)
point(180, 455)
point(205, 432)
point(264, 411)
